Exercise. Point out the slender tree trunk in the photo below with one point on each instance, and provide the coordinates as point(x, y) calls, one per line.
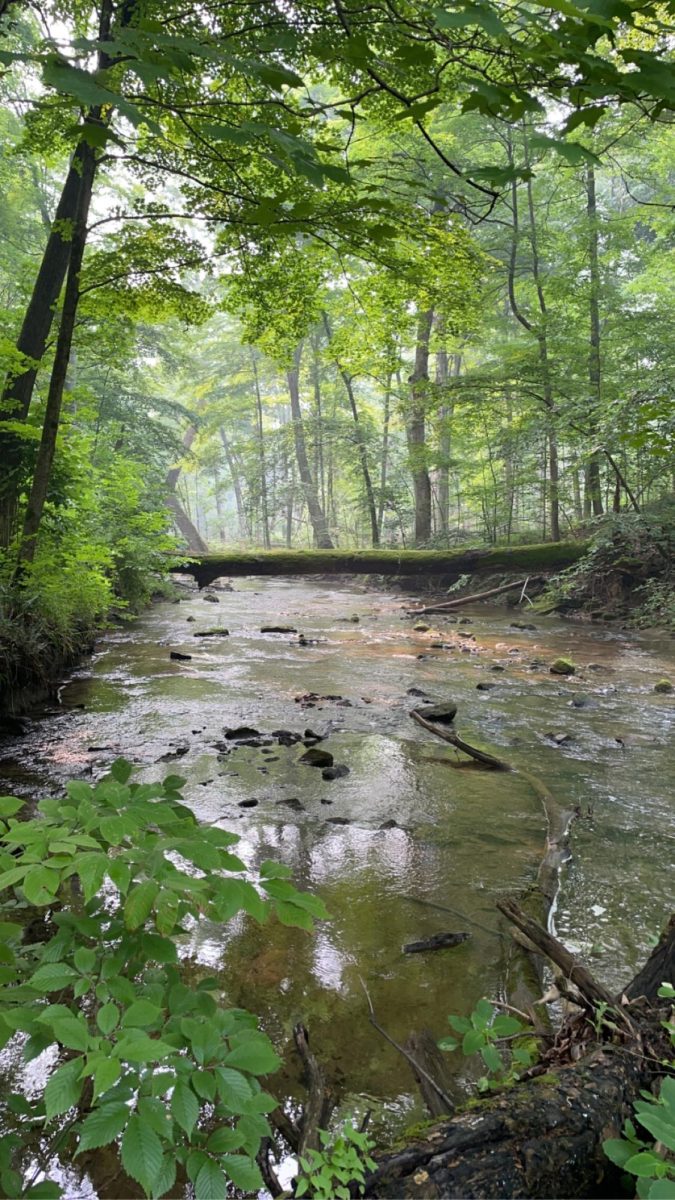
point(50, 428)
point(218, 500)
point(539, 332)
point(416, 430)
point(360, 443)
point(316, 513)
point(37, 323)
point(593, 485)
point(264, 508)
point(181, 519)
point(235, 475)
point(318, 441)
point(386, 416)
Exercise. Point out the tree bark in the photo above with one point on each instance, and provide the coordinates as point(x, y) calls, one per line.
point(593, 486)
point(360, 443)
point(416, 429)
point(316, 513)
point(264, 508)
point(47, 448)
point(184, 524)
point(384, 466)
point(235, 476)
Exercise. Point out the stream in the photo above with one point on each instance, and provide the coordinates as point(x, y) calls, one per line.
point(401, 824)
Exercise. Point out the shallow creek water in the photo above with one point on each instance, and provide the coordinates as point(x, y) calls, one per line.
point(462, 838)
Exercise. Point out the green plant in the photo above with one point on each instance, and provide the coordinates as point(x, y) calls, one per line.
point(651, 1165)
point(97, 891)
point(480, 1034)
point(343, 1160)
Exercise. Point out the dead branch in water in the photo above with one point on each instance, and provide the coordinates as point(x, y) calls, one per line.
point(448, 605)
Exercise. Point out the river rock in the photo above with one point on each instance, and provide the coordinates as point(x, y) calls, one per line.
point(248, 804)
point(178, 752)
point(485, 686)
point(441, 714)
point(421, 627)
point(522, 625)
point(294, 803)
point(338, 821)
point(663, 687)
point(210, 597)
point(560, 739)
point(212, 633)
point(497, 667)
point(439, 941)
point(286, 737)
point(337, 772)
point(311, 733)
point(240, 732)
point(465, 621)
point(562, 666)
point(178, 657)
point(278, 629)
point(390, 824)
point(580, 702)
point(415, 691)
point(317, 758)
point(190, 619)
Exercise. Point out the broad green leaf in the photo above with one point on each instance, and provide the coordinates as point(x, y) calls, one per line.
point(642, 1164)
point(138, 904)
point(71, 1032)
point(46, 1190)
point(53, 977)
point(256, 1055)
point(473, 1041)
point(91, 869)
point(618, 1151)
point(121, 770)
point(102, 1126)
point(105, 1076)
point(184, 1107)
point(243, 1172)
point(290, 914)
point(141, 1048)
point(142, 1155)
point(223, 1140)
point(659, 1125)
point(210, 1183)
point(107, 1018)
point(85, 959)
point(155, 1113)
point(40, 885)
point(233, 1087)
point(10, 805)
point(64, 1088)
point(142, 1014)
point(204, 1083)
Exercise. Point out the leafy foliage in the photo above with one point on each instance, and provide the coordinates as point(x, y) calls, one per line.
point(142, 1060)
point(482, 1031)
point(338, 1167)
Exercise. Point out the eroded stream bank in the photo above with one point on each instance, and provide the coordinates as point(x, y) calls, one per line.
point(460, 838)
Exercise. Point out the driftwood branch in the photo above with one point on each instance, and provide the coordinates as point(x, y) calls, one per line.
point(448, 605)
point(319, 1104)
point(447, 735)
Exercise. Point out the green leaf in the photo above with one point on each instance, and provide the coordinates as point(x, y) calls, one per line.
point(64, 1088)
point(204, 1083)
point(107, 1018)
point(105, 1076)
point(210, 1183)
point(184, 1107)
point(142, 1155)
point(492, 1059)
point(102, 1126)
point(71, 1032)
point(473, 1041)
point(224, 1139)
point(618, 1151)
point(662, 1189)
point(290, 914)
point(91, 869)
point(234, 1088)
point(138, 1047)
point(141, 1014)
point(138, 904)
point(47, 1189)
point(256, 1054)
point(10, 805)
point(643, 1164)
point(121, 770)
point(85, 959)
point(154, 1112)
point(243, 1172)
point(40, 885)
point(53, 977)
point(659, 1125)
point(167, 909)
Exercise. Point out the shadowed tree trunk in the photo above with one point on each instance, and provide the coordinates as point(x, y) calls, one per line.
point(593, 491)
point(235, 476)
point(386, 416)
point(416, 429)
point(264, 507)
point(183, 523)
point(360, 443)
point(316, 513)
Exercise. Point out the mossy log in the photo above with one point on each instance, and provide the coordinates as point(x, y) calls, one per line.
point(544, 557)
point(543, 1137)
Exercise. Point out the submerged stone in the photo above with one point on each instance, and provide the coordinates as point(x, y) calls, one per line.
point(442, 714)
point(177, 656)
point(278, 629)
point(239, 732)
point(337, 772)
point(212, 633)
point(317, 758)
point(663, 687)
point(562, 666)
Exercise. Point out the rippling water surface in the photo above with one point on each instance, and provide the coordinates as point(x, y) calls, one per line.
point(461, 838)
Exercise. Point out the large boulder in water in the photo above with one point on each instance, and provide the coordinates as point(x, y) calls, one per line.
point(440, 714)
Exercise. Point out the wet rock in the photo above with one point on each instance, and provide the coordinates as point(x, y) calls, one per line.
point(439, 941)
point(522, 625)
point(97, 749)
point(286, 737)
point(391, 824)
point(178, 657)
point(424, 656)
point(485, 686)
point(326, 801)
point(560, 739)
point(337, 772)
point(415, 691)
point(355, 618)
point(238, 732)
point(636, 739)
point(205, 782)
point(441, 646)
point(441, 714)
point(278, 629)
point(343, 704)
point(562, 666)
point(210, 597)
point(338, 821)
point(177, 752)
point(317, 758)
point(515, 650)
point(580, 702)
point(247, 804)
point(310, 733)
point(293, 803)
point(274, 758)
point(305, 641)
point(421, 627)
point(663, 687)
point(497, 667)
point(190, 619)
point(212, 633)
point(465, 621)
point(221, 747)
point(471, 636)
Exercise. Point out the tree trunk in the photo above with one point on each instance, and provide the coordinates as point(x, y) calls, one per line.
point(444, 441)
point(386, 416)
point(360, 444)
point(593, 486)
point(264, 508)
point(235, 476)
point(416, 430)
point(39, 315)
point(183, 523)
point(316, 513)
point(52, 417)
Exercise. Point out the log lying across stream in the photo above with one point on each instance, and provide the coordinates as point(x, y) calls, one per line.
point(544, 557)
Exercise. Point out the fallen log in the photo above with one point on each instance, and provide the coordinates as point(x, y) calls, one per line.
point(448, 605)
point(544, 1136)
point(438, 941)
point(541, 557)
